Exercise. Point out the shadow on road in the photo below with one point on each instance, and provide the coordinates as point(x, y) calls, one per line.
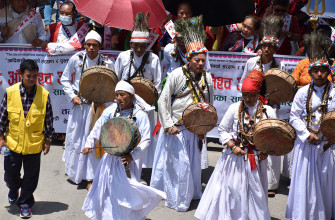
point(40, 208)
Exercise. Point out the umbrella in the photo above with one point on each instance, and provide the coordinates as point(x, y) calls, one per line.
point(216, 12)
point(330, 8)
point(121, 13)
point(32, 3)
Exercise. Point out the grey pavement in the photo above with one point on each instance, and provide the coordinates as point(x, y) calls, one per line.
point(57, 198)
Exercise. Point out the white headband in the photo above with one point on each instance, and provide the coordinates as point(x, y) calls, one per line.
point(93, 35)
point(139, 37)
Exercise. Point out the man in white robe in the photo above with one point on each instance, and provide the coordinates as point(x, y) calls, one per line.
point(77, 166)
point(113, 195)
point(177, 163)
point(139, 62)
point(312, 192)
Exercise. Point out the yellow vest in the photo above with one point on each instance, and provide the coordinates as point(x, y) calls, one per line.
point(25, 135)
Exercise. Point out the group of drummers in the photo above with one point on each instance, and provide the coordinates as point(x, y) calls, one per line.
point(113, 132)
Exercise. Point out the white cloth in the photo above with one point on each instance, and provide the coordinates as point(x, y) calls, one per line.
point(153, 71)
point(274, 165)
point(93, 35)
point(113, 196)
point(177, 167)
point(19, 38)
point(62, 36)
point(78, 166)
point(142, 123)
point(234, 181)
point(252, 63)
point(170, 64)
point(287, 164)
point(312, 192)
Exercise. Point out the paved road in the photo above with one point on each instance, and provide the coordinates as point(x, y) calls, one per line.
point(57, 198)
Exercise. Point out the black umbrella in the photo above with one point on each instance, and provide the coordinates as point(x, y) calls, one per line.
point(216, 12)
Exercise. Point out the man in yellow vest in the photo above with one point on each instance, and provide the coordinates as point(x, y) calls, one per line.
point(26, 128)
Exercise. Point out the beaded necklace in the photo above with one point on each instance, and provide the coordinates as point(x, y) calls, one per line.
point(322, 108)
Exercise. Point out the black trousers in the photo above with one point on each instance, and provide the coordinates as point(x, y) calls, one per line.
point(31, 168)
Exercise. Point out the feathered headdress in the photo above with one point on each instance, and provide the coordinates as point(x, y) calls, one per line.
point(318, 48)
point(193, 33)
point(272, 27)
point(141, 29)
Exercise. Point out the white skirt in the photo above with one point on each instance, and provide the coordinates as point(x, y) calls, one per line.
point(114, 196)
point(177, 169)
point(148, 155)
point(234, 191)
point(287, 164)
point(312, 193)
point(274, 164)
point(79, 166)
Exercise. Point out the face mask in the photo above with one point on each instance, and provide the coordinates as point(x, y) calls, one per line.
point(65, 20)
point(249, 38)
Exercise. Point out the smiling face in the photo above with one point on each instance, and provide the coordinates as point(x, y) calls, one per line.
point(248, 28)
point(319, 75)
point(124, 99)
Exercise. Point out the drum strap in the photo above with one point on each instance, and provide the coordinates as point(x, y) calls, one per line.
point(138, 70)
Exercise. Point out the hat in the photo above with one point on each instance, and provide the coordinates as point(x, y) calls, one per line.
point(140, 32)
point(253, 82)
point(193, 33)
point(272, 27)
point(93, 35)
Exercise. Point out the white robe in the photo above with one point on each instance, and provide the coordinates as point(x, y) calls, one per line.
point(170, 64)
point(274, 162)
point(78, 166)
point(153, 72)
point(234, 191)
point(113, 195)
point(142, 123)
point(312, 191)
point(177, 167)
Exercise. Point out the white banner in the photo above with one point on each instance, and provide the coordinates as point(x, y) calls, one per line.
point(226, 70)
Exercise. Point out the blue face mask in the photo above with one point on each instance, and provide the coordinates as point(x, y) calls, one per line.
point(65, 20)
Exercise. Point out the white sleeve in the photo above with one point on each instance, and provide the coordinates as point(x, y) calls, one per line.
point(296, 120)
point(156, 72)
point(66, 78)
point(164, 103)
point(143, 125)
point(41, 34)
point(226, 125)
point(118, 66)
point(245, 73)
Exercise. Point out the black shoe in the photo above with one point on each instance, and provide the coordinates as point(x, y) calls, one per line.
point(12, 196)
point(25, 213)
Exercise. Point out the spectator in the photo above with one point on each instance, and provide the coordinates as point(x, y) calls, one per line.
point(48, 13)
point(32, 31)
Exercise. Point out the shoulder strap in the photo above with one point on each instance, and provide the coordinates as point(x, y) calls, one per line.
point(139, 70)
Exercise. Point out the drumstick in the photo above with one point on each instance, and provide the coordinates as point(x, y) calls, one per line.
point(266, 95)
point(97, 147)
point(194, 126)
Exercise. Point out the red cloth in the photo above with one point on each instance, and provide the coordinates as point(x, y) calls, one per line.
point(54, 30)
point(253, 82)
point(285, 48)
point(251, 157)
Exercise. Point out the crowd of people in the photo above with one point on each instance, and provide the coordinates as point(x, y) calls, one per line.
point(244, 176)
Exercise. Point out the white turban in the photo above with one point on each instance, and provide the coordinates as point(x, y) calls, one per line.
point(139, 37)
point(93, 35)
point(127, 87)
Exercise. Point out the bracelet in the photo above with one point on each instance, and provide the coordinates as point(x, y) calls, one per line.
point(233, 148)
point(234, 145)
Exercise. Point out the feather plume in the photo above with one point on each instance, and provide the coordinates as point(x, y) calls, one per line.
point(141, 22)
point(191, 30)
point(317, 46)
point(272, 26)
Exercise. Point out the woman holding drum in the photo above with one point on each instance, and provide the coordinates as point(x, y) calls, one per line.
point(113, 195)
point(238, 186)
point(312, 192)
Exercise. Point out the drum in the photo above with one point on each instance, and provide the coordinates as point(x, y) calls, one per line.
point(200, 118)
point(145, 89)
point(119, 136)
point(274, 137)
point(280, 86)
point(327, 126)
point(97, 84)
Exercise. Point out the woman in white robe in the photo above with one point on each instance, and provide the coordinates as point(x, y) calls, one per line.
point(238, 186)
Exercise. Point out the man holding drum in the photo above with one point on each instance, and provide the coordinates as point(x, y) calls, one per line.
point(177, 163)
point(238, 186)
point(113, 195)
point(311, 193)
point(77, 166)
point(137, 63)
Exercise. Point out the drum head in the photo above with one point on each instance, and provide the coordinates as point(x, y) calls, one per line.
point(97, 84)
point(274, 137)
point(327, 126)
point(145, 89)
point(280, 86)
point(119, 136)
point(200, 118)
